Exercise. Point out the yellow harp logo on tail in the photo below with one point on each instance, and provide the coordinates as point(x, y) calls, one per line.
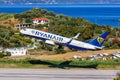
point(100, 40)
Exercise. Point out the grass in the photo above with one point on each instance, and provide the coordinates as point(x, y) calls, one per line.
point(5, 16)
point(33, 63)
point(9, 63)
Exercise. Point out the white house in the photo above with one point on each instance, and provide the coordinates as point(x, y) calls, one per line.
point(22, 25)
point(37, 21)
point(16, 51)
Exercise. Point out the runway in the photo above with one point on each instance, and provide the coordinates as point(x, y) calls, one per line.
point(56, 74)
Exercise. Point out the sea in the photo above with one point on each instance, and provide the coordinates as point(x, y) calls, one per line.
point(101, 14)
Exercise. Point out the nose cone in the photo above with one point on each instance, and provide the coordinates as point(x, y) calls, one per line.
point(23, 31)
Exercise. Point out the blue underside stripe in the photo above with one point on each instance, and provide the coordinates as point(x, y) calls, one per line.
point(75, 47)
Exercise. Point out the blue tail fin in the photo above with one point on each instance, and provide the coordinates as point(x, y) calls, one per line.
point(99, 40)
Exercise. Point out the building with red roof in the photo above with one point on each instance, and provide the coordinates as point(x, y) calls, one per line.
point(37, 21)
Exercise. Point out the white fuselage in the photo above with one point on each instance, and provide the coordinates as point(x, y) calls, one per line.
point(56, 38)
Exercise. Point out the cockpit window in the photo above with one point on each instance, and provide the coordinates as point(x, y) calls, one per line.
point(24, 29)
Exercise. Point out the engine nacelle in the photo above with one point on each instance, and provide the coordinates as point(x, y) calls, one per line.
point(49, 42)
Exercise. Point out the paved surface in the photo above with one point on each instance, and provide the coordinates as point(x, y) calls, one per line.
point(56, 74)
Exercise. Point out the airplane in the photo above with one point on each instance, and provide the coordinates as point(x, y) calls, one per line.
point(52, 39)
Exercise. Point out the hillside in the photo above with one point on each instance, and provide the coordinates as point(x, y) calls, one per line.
point(8, 20)
point(59, 24)
point(8, 38)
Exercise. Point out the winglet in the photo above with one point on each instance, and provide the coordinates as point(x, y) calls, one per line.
point(75, 37)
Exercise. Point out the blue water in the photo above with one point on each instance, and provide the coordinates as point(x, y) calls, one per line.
point(99, 14)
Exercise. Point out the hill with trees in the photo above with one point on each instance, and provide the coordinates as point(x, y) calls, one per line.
point(59, 24)
point(8, 38)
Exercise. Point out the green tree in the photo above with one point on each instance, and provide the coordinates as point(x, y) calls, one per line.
point(1, 55)
point(28, 20)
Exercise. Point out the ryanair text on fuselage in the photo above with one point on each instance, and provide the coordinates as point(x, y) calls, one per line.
point(48, 36)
